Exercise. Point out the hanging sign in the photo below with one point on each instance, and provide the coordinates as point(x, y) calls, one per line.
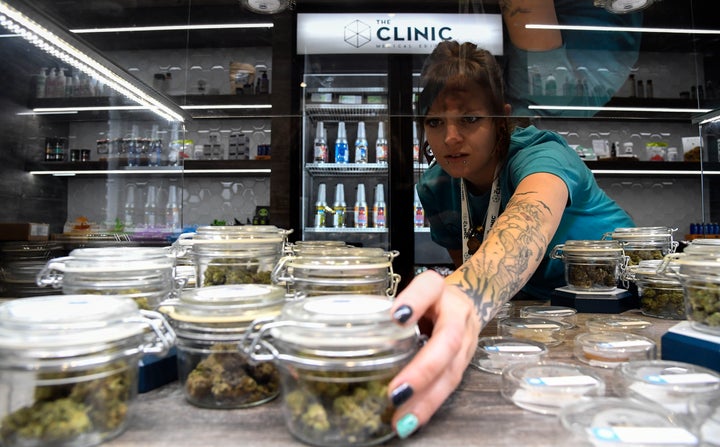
point(383, 33)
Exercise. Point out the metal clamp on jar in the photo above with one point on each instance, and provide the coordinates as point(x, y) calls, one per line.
point(591, 265)
point(661, 294)
point(367, 271)
point(644, 243)
point(70, 367)
point(336, 355)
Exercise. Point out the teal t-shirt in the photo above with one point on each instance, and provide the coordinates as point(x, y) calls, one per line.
point(589, 214)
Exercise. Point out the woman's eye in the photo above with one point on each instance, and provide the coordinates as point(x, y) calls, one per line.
point(432, 122)
point(471, 119)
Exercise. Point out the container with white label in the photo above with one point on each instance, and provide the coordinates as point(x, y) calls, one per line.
point(610, 349)
point(495, 353)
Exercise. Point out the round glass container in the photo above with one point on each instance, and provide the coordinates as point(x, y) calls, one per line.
point(547, 387)
point(612, 421)
point(565, 315)
point(336, 355)
point(209, 323)
point(298, 248)
point(699, 273)
point(610, 349)
point(548, 332)
point(364, 271)
point(661, 295)
point(616, 323)
point(20, 262)
point(144, 274)
point(643, 243)
point(242, 254)
point(69, 368)
point(664, 382)
point(704, 410)
point(495, 353)
point(591, 265)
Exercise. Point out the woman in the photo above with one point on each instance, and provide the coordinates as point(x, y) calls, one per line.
point(499, 199)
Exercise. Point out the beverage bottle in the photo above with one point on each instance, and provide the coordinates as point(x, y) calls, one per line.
point(419, 212)
point(361, 210)
point(339, 206)
point(150, 207)
point(40, 84)
point(133, 148)
point(416, 144)
point(341, 145)
point(379, 209)
point(320, 152)
point(361, 144)
point(172, 210)
point(156, 147)
point(129, 217)
point(550, 86)
point(381, 145)
point(174, 157)
point(320, 206)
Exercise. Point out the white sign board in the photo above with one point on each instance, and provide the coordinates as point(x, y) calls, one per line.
point(382, 33)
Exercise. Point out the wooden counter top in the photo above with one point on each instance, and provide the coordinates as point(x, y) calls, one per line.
point(476, 414)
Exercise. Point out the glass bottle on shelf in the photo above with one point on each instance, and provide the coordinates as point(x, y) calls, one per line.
point(361, 209)
point(320, 152)
point(418, 210)
point(361, 144)
point(379, 208)
point(339, 206)
point(381, 145)
point(320, 206)
point(150, 207)
point(341, 145)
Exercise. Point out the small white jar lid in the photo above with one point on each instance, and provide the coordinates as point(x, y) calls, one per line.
point(493, 354)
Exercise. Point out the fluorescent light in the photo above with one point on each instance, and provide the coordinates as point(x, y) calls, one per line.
point(653, 171)
point(622, 29)
point(135, 29)
point(175, 171)
point(71, 53)
point(620, 109)
point(227, 106)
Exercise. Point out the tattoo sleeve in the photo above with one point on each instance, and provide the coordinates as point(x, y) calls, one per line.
point(506, 260)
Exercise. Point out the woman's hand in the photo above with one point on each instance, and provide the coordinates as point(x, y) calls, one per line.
point(437, 369)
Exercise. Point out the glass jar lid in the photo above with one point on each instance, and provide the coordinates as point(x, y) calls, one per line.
point(493, 354)
point(642, 233)
point(624, 422)
point(542, 330)
point(562, 314)
point(114, 259)
point(657, 378)
point(238, 303)
point(703, 246)
point(654, 271)
point(616, 323)
point(594, 249)
point(610, 349)
point(68, 325)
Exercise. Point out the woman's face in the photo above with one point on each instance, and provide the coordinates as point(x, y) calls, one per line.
point(462, 134)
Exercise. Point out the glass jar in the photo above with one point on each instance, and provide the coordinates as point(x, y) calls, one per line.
point(144, 274)
point(300, 247)
point(610, 349)
point(698, 270)
point(493, 354)
point(591, 265)
point(644, 243)
point(542, 330)
point(336, 355)
point(241, 254)
point(69, 367)
point(565, 315)
point(209, 323)
point(661, 295)
point(364, 271)
point(20, 262)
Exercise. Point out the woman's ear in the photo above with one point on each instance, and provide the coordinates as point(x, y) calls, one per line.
point(508, 109)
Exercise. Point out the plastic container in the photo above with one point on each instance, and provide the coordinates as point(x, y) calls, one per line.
point(70, 367)
point(591, 265)
point(336, 355)
point(547, 387)
point(644, 243)
point(548, 332)
point(617, 323)
point(364, 271)
point(565, 315)
point(144, 274)
point(209, 323)
point(20, 262)
point(668, 383)
point(661, 295)
point(704, 411)
point(698, 270)
point(493, 354)
point(610, 349)
point(612, 421)
point(242, 254)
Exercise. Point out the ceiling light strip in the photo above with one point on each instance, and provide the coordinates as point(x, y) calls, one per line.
point(652, 172)
point(622, 29)
point(136, 29)
point(619, 109)
point(71, 173)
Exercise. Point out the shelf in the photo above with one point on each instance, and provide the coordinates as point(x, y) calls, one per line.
point(346, 112)
point(345, 230)
point(346, 169)
point(647, 168)
point(119, 167)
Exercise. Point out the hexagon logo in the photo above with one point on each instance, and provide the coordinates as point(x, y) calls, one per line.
point(357, 33)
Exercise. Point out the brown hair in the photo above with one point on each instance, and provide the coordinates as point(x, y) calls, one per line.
point(452, 65)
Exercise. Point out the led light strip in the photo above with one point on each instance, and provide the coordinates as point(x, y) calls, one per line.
point(622, 29)
point(619, 109)
point(71, 173)
point(17, 22)
point(135, 29)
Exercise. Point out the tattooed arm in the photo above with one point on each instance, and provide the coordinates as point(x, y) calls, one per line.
point(518, 13)
point(515, 245)
point(461, 304)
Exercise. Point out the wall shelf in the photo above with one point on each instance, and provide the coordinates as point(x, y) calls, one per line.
point(190, 167)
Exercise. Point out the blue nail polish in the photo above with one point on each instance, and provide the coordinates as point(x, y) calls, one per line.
point(406, 425)
point(401, 394)
point(403, 313)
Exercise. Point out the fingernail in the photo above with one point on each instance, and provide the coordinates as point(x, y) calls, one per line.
point(403, 313)
point(401, 394)
point(406, 425)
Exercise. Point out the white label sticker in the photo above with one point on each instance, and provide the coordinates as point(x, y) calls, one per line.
point(538, 326)
point(561, 381)
point(676, 379)
point(624, 344)
point(347, 306)
point(512, 348)
point(644, 435)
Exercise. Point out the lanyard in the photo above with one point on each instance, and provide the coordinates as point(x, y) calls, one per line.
point(490, 217)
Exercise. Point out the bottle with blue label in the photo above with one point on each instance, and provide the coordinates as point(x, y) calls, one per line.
point(341, 145)
point(361, 144)
point(133, 148)
point(156, 147)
